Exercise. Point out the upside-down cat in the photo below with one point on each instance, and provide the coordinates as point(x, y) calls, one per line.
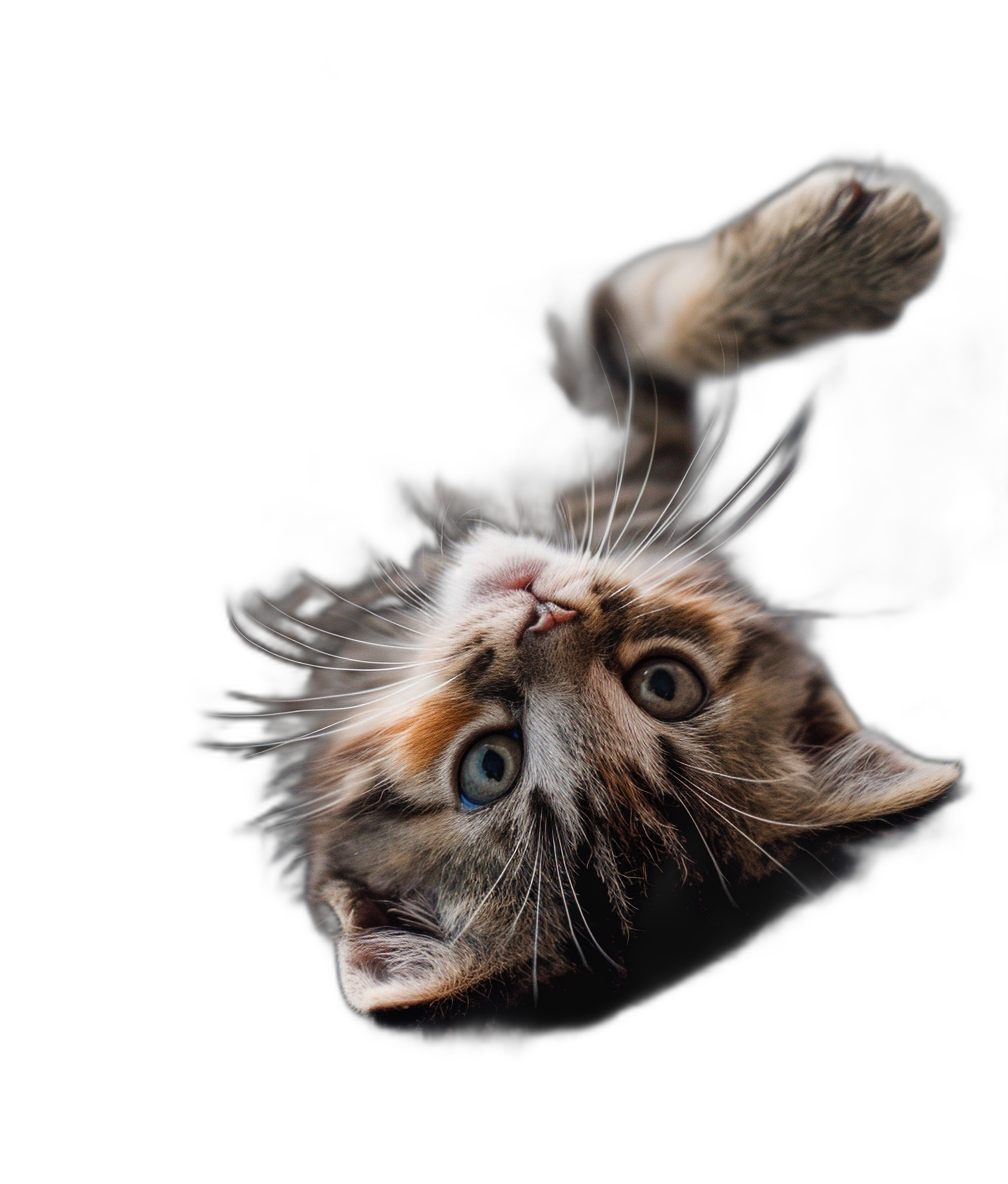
point(495, 745)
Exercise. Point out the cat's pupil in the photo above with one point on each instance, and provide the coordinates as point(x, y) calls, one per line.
point(662, 684)
point(493, 764)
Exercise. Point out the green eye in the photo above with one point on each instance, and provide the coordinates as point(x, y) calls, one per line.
point(665, 688)
point(490, 768)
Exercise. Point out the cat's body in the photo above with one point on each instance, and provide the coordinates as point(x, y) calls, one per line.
point(497, 746)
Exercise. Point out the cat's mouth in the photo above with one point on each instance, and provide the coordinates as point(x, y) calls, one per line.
point(543, 612)
point(545, 615)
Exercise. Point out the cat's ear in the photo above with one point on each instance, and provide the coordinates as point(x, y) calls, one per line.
point(391, 969)
point(859, 774)
point(383, 965)
point(867, 776)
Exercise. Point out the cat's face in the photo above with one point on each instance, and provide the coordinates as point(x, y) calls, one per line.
point(561, 714)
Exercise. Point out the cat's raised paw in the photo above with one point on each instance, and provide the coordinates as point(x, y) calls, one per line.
point(839, 251)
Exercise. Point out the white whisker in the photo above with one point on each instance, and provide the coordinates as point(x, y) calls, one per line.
point(388, 645)
point(535, 944)
point(563, 897)
point(647, 472)
point(362, 607)
point(406, 594)
point(733, 777)
point(788, 437)
point(297, 661)
point(749, 839)
point(396, 688)
point(661, 524)
point(621, 468)
point(584, 919)
point(517, 918)
point(713, 859)
point(756, 817)
point(340, 726)
point(475, 912)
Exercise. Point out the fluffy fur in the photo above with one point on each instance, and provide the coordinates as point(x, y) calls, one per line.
point(541, 635)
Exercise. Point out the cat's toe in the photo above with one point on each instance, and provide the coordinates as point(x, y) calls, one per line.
point(890, 225)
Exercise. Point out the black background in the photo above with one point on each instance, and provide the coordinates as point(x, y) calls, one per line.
point(355, 294)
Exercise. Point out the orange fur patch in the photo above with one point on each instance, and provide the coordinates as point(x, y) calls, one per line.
point(431, 727)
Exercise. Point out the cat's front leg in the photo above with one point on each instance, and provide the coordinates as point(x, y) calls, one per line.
point(839, 251)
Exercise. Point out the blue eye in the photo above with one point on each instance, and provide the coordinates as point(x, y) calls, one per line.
point(665, 688)
point(489, 769)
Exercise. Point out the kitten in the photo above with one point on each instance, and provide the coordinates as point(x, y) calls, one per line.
point(492, 750)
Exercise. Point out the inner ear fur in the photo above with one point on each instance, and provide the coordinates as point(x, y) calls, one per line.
point(859, 774)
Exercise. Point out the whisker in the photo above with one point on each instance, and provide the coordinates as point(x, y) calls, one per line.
point(563, 897)
point(535, 864)
point(396, 687)
point(713, 858)
point(733, 777)
point(621, 468)
point(475, 912)
point(404, 593)
point(661, 524)
point(535, 945)
point(407, 580)
point(384, 686)
point(584, 919)
point(332, 729)
point(749, 839)
point(388, 645)
point(788, 439)
point(588, 523)
point(666, 520)
point(362, 607)
point(313, 666)
point(647, 473)
point(757, 817)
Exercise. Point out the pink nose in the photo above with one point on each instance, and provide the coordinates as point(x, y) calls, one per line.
point(548, 614)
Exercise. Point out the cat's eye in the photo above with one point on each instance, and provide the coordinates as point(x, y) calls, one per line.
point(490, 768)
point(665, 688)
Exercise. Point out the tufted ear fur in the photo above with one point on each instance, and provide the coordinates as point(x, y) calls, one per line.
point(866, 776)
point(383, 966)
point(859, 774)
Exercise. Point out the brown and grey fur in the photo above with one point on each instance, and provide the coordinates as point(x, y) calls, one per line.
point(429, 904)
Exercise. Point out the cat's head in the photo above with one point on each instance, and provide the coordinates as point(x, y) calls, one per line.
point(527, 713)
